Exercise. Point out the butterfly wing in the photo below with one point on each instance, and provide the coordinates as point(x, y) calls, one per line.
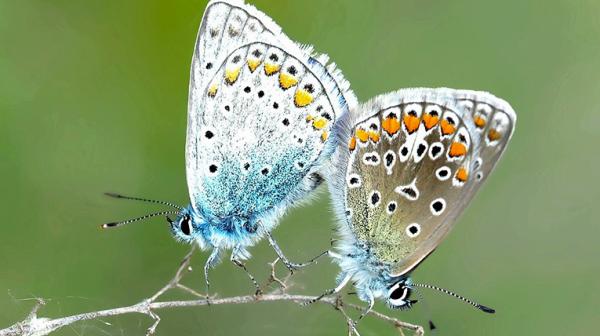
point(259, 116)
point(411, 161)
point(225, 26)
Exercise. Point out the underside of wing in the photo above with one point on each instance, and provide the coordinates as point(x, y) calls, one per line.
point(412, 162)
point(225, 26)
point(260, 112)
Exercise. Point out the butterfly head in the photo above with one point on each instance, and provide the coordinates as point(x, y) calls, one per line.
point(399, 295)
point(185, 227)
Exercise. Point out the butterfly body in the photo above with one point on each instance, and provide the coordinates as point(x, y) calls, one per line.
point(261, 110)
point(371, 277)
point(406, 166)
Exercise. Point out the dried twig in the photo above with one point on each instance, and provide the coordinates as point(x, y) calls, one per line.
point(36, 326)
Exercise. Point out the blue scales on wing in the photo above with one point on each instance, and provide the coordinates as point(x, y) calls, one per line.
point(260, 115)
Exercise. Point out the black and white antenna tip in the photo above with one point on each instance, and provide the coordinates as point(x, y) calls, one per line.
point(486, 309)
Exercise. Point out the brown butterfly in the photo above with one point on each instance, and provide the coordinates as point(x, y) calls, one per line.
point(406, 165)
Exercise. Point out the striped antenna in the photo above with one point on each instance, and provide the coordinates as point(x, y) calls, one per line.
point(121, 223)
point(462, 298)
point(143, 200)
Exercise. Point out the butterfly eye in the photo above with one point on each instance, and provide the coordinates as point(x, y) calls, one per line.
point(398, 295)
point(186, 226)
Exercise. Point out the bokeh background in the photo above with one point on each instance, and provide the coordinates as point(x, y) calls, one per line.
point(93, 98)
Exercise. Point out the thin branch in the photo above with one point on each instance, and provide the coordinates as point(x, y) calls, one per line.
point(351, 325)
point(38, 326)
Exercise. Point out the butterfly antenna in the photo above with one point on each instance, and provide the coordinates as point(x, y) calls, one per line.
point(462, 298)
point(143, 200)
point(121, 223)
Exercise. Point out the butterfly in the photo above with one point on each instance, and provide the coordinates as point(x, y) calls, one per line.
point(260, 113)
point(406, 166)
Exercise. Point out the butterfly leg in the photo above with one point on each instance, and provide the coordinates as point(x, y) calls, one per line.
point(331, 291)
point(352, 323)
point(290, 265)
point(210, 262)
point(241, 265)
point(369, 307)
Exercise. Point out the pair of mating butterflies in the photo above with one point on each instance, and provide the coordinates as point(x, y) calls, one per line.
point(270, 120)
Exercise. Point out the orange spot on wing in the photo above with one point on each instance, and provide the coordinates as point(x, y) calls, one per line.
point(447, 128)
point(362, 135)
point(390, 125)
point(374, 136)
point(302, 98)
point(352, 144)
point(494, 135)
point(411, 123)
point(462, 174)
point(271, 68)
point(430, 121)
point(457, 149)
point(253, 64)
point(232, 75)
point(319, 122)
point(324, 135)
point(212, 90)
point(479, 122)
point(286, 81)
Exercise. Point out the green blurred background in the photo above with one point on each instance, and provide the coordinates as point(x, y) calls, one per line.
point(93, 98)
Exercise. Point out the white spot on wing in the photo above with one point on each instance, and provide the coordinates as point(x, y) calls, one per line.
point(420, 148)
point(354, 180)
point(371, 158)
point(408, 191)
point(433, 110)
point(443, 173)
point(403, 153)
point(437, 206)
point(477, 164)
point(389, 160)
point(416, 108)
point(413, 230)
point(374, 199)
point(391, 207)
point(436, 150)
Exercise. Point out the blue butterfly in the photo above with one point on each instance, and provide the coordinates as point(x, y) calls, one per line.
point(260, 112)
